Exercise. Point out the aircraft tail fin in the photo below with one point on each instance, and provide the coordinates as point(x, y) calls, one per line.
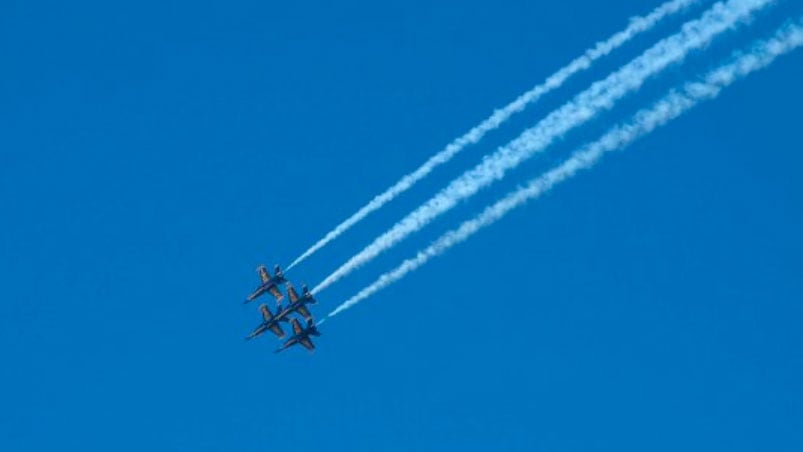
point(307, 294)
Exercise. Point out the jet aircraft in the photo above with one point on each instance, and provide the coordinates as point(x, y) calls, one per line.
point(269, 284)
point(269, 322)
point(299, 304)
point(301, 336)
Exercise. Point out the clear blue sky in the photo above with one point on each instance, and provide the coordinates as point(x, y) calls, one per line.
point(153, 153)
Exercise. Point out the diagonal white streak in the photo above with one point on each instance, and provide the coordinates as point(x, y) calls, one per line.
point(637, 26)
point(645, 121)
point(602, 95)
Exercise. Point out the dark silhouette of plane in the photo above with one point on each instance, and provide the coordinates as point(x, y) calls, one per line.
point(269, 322)
point(301, 336)
point(269, 284)
point(299, 304)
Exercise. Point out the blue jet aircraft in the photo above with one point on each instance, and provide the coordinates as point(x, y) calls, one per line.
point(299, 304)
point(269, 322)
point(301, 336)
point(269, 284)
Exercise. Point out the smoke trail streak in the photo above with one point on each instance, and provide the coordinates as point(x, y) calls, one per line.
point(645, 121)
point(602, 95)
point(637, 26)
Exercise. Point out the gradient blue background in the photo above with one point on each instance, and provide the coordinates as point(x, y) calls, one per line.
point(153, 153)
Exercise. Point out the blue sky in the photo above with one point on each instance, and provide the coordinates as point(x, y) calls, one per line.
point(153, 154)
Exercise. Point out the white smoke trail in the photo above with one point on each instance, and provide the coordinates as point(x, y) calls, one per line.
point(637, 25)
point(645, 121)
point(600, 96)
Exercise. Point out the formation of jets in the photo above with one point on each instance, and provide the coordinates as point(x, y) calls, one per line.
point(284, 313)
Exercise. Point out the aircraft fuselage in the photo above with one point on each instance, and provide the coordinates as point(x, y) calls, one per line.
point(304, 334)
point(261, 290)
point(263, 327)
point(292, 307)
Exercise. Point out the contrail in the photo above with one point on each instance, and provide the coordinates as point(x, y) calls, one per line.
point(645, 121)
point(637, 25)
point(600, 96)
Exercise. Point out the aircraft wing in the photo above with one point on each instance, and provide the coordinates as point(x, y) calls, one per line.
point(297, 327)
point(266, 315)
point(307, 343)
point(277, 330)
point(292, 292)
point(304, 313)
point(277, 294)
point(263, 274)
